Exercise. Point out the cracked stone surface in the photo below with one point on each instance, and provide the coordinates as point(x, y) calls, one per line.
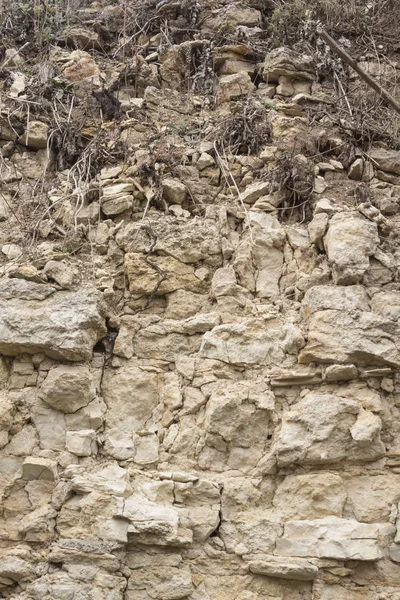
point(199, 333)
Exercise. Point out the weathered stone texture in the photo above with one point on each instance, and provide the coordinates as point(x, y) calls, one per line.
point(64, 325)
point(199, 309)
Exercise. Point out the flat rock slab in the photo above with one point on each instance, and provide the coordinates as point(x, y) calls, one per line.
point(332, 537)
point(283, 570)
point(359, 338)
point(252, 342)
point(35, 318)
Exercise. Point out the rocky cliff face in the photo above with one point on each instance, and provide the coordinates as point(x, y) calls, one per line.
point(199, 313)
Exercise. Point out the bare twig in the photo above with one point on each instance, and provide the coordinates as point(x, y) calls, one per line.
point(161, 274)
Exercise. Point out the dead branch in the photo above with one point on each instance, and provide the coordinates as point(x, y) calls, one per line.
point(161, 274)
point(356, 67)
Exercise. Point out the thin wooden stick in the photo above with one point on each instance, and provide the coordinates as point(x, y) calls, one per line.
point(354, 65)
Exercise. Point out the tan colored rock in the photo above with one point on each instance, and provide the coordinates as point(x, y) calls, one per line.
point(239, 416)
point(174, 191)
point(63, 325)
point(331, 537)
point(284, 570)
point(131, 396)
point(231, 87)
point(116, 206)
point(7, 132)
point(250, 17)
point(187, 241)
point(82, 37)
point(341, 372)
point(35, 467)
point(35, 136)
point(288, 63)
point(251, 343)
point(324, 206)
point(254, 191)
point(18, 84)
point(317, 228)
point(158, 343)
point(61, 273)
point(372, 497)
point(81, 442)
point(183, 304)
point(81, 67)
point(366, 428)
point(117, 198)
point(315, 495)
point(335, 297)
point(110, 479)
point(224, 282)
point(13, 58)
point(68, 388)
point(361, 170)
point(361, 339)
point(15, 568)
point(143, 278)
point(252, 531)
point(165, 583)
point(50, 425)
point(204, 161)
point(350, 241)
point(320, 185)
point(28, 272)
point(386, 160)
point(233, 16)
point(319, 429)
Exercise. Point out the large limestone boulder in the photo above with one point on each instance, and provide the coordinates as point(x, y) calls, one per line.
point(237, 422)
point(131, 396)
point(187, 241)
point(35, 318)
point(268, 237)
point(331, 537)
point(315, 495)
point(252, 342)
point(362, 338)
point(323, 428)
point(68, 388)
point(350, 241)
point(284, 62)
point(143, 278)
point(334, 297)
point(342, 328)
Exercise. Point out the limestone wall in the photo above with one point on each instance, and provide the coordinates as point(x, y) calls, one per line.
point(199, 366)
